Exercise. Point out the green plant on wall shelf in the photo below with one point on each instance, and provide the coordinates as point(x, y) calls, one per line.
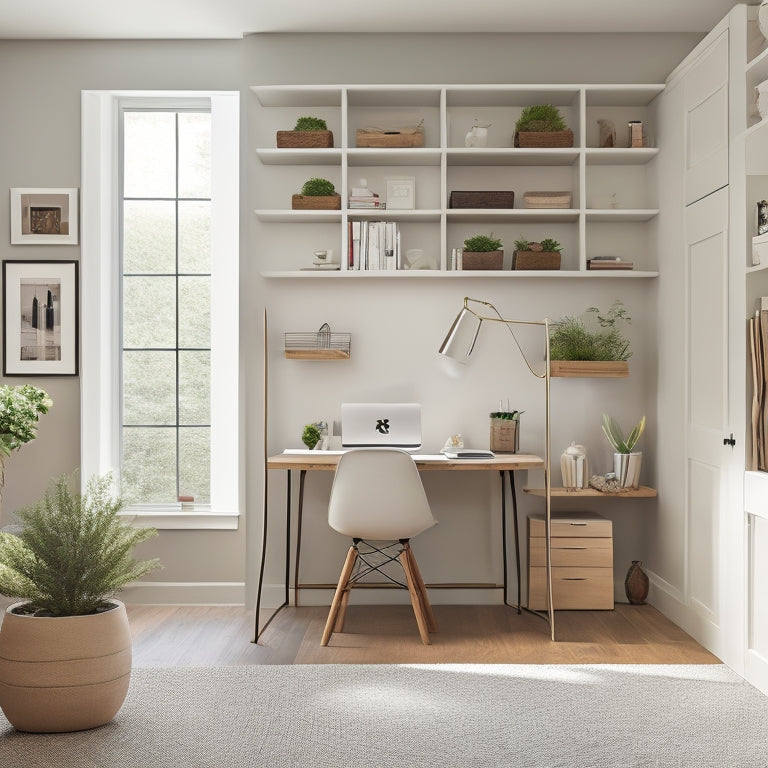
point(483, 244)
point(540, 117)
point(310, 124)
point(572, 339)
point(615, 436)
point(316, 187)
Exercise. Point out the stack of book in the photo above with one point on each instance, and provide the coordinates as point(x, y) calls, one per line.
point(609, 262)
point(362, 197)
point(374, 245)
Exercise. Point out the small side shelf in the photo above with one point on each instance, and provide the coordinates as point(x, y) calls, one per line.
point(642, 492)
point(316, 354)
point(588, 369)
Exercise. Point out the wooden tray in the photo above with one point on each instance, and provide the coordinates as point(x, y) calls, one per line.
point(480, 199)
point(413, 138)
point(589, 369)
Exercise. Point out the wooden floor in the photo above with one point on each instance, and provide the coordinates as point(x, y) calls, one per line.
point(210, 636)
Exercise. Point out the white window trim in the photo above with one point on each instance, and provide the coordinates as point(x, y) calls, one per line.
point(99, 277)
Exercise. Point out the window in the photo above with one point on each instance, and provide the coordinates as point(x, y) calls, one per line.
point(159, 289)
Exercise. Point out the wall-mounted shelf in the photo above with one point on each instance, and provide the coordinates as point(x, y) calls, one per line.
point(643, 492)
point(589, 369)
point(322, 345)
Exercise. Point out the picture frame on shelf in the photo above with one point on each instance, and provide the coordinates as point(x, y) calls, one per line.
point(40, 318)
point(44, 216)
point(401, 193)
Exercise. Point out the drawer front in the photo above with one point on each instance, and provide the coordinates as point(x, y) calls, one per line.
point(572, 589)
point(569, 551)
point(578, 527)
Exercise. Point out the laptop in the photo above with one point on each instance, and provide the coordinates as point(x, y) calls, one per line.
point(381, 425)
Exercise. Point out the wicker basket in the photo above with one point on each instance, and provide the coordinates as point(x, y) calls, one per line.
point(539, 139)
point(304, 139)
point(478, 199)
point(414, 138)
point(547, 199)
point(316, 202)
point(536, 260)
point(482, 259)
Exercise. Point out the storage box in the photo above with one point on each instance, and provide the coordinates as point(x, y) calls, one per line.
point(505, 435)
point(482, 260)
point(547, 200)
point(304, 139)
point(544, 139)
point(536, 260)
point(479, 199)
point(413, 138)
point(316, 202)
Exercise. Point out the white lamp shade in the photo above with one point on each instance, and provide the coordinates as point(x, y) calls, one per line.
point(460, 340)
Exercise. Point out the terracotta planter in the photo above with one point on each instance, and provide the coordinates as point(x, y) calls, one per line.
point(64, 674)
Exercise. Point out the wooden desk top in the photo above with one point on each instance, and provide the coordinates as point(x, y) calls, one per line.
point(327, 461)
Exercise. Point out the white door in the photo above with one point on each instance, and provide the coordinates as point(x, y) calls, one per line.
point(714, 531)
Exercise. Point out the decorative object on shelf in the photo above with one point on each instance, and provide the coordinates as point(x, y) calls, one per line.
point(44, 216)
point(607, 484)
point(362, 197)
point(547, 199)
point(636, 138)
point(574, 466)
point(453, 443)
point(308, 133)
point(73, 555)
point(762, 217)
point(636, 583)
point(607, 133)
point(761, 98)
point(317, 194)
point(626, 462)
point(322, 345)
point(482, 199)
point(482, 252)
point(396, 138)
point(401, 193)
point(477, 136)
point(542, 125)
point(311, 436)
point(533, 255)
point(762, 19)
point(505, 431)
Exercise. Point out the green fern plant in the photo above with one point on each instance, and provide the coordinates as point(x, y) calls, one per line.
point(571, 339)
point(315, 187)
point(615, 436)
point(310, 124)
point(540, 117)
point(74, 551)
point(482, 244)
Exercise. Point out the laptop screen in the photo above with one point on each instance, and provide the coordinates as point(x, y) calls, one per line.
point(379, 425)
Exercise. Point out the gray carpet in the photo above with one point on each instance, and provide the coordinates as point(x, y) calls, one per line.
point(451, 716)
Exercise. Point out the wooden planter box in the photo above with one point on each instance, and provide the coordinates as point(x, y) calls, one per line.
point(589, 369)
point(482, 259)
point(479, 199)
point(304, 139)
point(505, 435)
point(539, 139)
point(316, 202)
point(389, 138)
point(536, 260)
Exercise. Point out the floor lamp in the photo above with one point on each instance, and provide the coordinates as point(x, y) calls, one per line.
point(458, 345)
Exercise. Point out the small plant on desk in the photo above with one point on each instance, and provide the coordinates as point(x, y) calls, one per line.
point(310, 436)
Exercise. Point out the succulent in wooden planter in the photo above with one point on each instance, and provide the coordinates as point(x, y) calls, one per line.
point(536, 255)
point(482, 252)
point(308, 133)
point(317, 194)
point(542, 125)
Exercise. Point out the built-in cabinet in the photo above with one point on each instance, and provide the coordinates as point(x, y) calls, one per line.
point(613, 199)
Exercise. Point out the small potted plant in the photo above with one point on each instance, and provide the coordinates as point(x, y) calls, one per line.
point(65, 650)
point(542, 125)
point(482, 252)
point(529, 254)
point(593, 344)
point(626, 461)
point(317, 194)
point(308, 133)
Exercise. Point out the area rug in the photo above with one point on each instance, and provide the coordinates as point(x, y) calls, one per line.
point(397, 716)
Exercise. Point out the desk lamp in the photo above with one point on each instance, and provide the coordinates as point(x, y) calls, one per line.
point(458, 345)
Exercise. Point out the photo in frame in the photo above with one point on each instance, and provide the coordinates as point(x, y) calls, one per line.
point(40, 319)
point(401, 193)
point(44, 216)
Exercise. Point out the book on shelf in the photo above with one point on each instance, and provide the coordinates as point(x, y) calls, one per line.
point(609, 262)
point(366, 202)
point(374, 245)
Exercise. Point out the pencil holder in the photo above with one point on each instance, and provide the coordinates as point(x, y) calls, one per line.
point(505, 434)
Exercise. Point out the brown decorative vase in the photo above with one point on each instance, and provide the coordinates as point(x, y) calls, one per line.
point(67, 673)
point(636, 583)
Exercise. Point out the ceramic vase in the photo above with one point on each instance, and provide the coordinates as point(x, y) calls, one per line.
point(636, 583)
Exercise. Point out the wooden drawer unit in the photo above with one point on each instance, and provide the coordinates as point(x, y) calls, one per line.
point(582, 562)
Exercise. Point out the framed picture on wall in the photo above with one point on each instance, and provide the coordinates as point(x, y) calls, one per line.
point(44, 216)
point(40, 320)
point(401, 193)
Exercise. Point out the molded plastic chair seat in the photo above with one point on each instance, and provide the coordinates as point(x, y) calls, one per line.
point(378, 496)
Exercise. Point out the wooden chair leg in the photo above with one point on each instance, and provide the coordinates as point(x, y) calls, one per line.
point(422, 589)
point(415, 597)
point(341, 587)
point(342, 615)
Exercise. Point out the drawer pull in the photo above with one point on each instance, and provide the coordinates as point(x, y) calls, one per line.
point(579, 548)
point(574, 578)
point(583, 525)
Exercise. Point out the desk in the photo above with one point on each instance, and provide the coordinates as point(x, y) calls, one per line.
point(326, 461)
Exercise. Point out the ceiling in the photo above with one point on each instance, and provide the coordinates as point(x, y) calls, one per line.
point(221, 19)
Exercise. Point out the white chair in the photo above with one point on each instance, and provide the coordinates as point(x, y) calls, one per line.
point(377, 498)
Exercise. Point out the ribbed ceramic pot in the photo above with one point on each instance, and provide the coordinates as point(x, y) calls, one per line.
point(64, 674)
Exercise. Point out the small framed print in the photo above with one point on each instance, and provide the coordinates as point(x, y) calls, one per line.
point(44, 216)
point(401, 193)
point(40, 320)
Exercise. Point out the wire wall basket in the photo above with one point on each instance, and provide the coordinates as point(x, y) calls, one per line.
point(321, 345)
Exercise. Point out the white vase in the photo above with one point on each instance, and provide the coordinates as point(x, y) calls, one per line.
point(627, 466)
point(762, 18)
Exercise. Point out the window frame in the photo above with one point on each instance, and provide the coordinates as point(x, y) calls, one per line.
point(100, 379)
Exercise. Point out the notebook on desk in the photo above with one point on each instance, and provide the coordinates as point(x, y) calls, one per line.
point(381, 425)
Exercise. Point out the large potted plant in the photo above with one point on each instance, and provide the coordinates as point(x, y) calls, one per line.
point(317, 194)
point(542, 125)
point(308, 133)
point(65, 649)
point(482, 252)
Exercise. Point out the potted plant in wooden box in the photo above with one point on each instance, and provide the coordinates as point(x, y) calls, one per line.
point(308, 133)
point(542, 125)
point(317, 194)
point(592, 345)
point(482, 252)
point(65, 650)
point(532, 255)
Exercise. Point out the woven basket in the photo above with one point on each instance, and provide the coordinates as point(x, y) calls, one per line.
point(478, 199)
point(536, 260)
point(316, 202)
point(538, 139)
point(547, 199)
point(304, 139)
point(482, 259)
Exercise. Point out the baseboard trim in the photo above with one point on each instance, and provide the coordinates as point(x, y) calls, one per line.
point(185, 593)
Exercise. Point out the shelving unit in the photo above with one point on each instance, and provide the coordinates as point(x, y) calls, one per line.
point(598, 178)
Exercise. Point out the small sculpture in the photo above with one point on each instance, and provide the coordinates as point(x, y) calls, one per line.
point(574, 466)
point(607, 133)
point(454, 442)
point(477, 136)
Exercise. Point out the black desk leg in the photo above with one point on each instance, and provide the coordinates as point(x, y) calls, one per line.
point(511, 474)
point(299, 516)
